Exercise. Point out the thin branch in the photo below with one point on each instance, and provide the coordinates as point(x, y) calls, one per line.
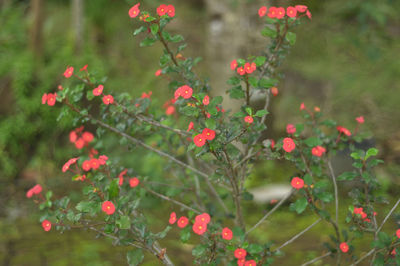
point(316, 259)
point(388, 215)
point(336, 191)
point(114, 237)
point(171, 200)
point(298, 235)
point(270, 212)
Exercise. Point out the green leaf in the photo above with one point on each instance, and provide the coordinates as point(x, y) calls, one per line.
point(371, 152)
point(177, 38)
point(300, 205)
point(49, 194)
point(308, 179)
point(150, 19)
point(261, 113)
point(347, 176)
point(249, 110)
point(236, 93)
point(254, 248)
point(113, 188)
point(147, 42)
point(185, 234)
point(241, 61)
point(135, 257)
point(211, 123)
point(253, 82)
point(154, 28)
point(312, 142)
point(233, 81)
point(139, 30)
point(123, 222)
point(199, 250)
point(268, 32)
point(291, 38)
point(260, 60)
point(267, 83)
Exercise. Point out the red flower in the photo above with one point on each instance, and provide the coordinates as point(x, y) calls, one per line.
point(186, 92)
point(274, 91)
point(103, 159)
point(190, 127)
point(44, 98)
point(240, 262)
point(73, 136)
point(171, 10)
point(46, 225)
point(248, 119)
point(108, 207)
point(206, 100)
point(86, 165)
point(288, 144)
point(203, 218)
point(162, 10)
point(308, 13)
point(98, 91)
point(290, 129)
point(199, 228)
point(172, 218)
point(33, 191)
point(291, 12)
point(302, 107)
point(240, 253)
point(147, 95)
point(301, 8)
point(250, 67)
point(398, 233)
point(68, 72)
point(227, 233)
point(87, 136)
point(80, 143)
point(134, 11)
point(280, 12)
point(297, 182)
point(318, 151)
point(272, 143)
point(343, 130)
point(250, 263)
point(134, 182)
point(51, 99)
point(209, 134)
point(234, 64)
point(84, 68)
point(272, 12)
point(158, 73)
point(108, 99)
point(344, 247)
point(241, 71)
point(182, 222)
point(94, 164)
point(170, 110)
point(262, 11)
point(69, 163)
point(199, 140)
point(60, 88)
point(359, 119)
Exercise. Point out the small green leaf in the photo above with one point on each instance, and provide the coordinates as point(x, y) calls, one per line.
point(348, 176)
point(312, 142)
point(371, 152)
point(261, 113)
point(154, 28)
point(260, 60)
point(113, 188)
point(135, 257)
point(291, 38)
point(233, 81)
point(185, 234)
point(199, 250)
point(139, 30)
point(123, 222)
point(236, 93)
point(268, 32)
point(147, 42)
point(249, 110)
point(267, 83)
point(300, 205)
point(211, 123)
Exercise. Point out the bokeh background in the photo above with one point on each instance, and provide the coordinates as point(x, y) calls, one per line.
point(346, 61)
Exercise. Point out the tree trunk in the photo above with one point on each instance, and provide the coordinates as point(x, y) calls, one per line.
point(77, 19)
point(36, 31)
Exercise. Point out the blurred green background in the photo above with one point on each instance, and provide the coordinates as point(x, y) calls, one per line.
point(345, 61)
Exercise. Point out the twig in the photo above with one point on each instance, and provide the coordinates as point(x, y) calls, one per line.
point(336, 191)
point(270, 212)
point(388, 215)
point(316, 259)
point(298, 235)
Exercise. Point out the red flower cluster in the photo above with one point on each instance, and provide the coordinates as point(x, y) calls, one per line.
point(360, 119)
point(108, 207)
point(344, 247)
point(166, 9)
point(46, 225)
point(94, 163)
point(343, 130)
point(146, 95)
point(318, 151)
point(134, 182)
point(288, 144)
point(297, 182)
point(200, 139)
point(37, 189)
point(66, 166)
point(279, 12)
point(241, 254)
point(359, 212)
point(80, 139)
point(200, 223)
point(184, 91)
point(49, 98)
point(134, 11)
point(169, 107)
point(248, 68)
